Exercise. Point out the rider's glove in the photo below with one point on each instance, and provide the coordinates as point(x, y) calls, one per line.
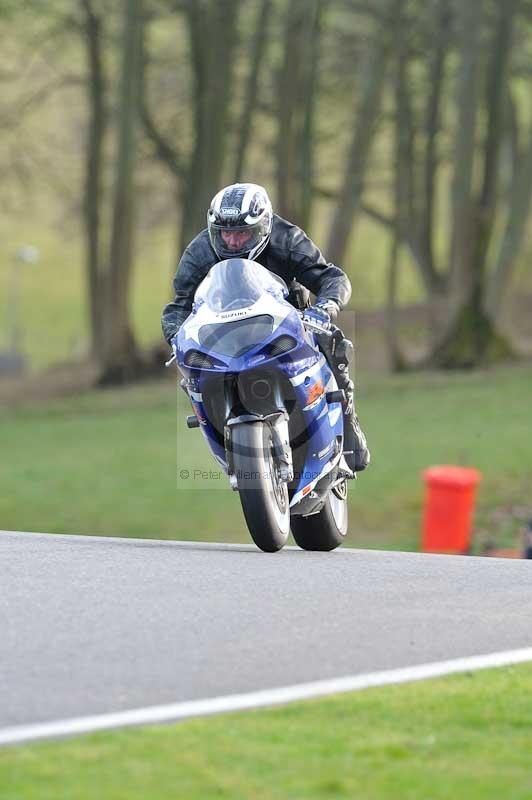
point(173, 342)
point(330, 306)
point(320, 316)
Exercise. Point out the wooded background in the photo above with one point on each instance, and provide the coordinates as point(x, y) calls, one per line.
point(118, 119)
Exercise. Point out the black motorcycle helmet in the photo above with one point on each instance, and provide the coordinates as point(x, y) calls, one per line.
point(240, 221)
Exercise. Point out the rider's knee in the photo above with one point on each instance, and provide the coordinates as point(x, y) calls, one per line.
point(344, 353)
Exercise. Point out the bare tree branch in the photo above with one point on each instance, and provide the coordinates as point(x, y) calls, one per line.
point(163, 149)
point(15, 116)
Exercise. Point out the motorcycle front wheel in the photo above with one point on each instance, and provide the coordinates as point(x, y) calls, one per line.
point(327, 529)
point(264, 497)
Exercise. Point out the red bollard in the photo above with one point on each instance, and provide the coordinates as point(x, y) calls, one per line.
point(450, 497)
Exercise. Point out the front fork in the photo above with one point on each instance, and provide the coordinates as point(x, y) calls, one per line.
point(282, 452)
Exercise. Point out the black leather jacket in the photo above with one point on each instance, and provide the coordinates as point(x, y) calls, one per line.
point(289, 253)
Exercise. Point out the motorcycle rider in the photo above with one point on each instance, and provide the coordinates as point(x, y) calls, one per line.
point(241, 224)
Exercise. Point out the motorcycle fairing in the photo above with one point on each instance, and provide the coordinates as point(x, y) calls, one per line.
point(304, 366)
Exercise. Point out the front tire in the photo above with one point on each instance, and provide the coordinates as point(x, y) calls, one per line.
point(327, 529)
point(264, 497)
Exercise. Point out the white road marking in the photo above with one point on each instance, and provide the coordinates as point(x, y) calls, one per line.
point(260, 699)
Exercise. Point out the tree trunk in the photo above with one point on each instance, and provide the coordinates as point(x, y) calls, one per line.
point(430, 155)
point(495, 105)
point(212, 31)
point(469, 18)
point(396, 360)
point(364, 126)
point(310, 93)
point(120, 361)
point(471, 337)
point(518, 218)
point(289, 105)
point(257, 50)
point(470, 340)
point(402, 189)
point(92, 194)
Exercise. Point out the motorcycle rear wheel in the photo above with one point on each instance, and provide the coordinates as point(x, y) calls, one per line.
point(264, 497)
point(327, 529)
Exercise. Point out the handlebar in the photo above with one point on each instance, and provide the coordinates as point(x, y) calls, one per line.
point(311, 327)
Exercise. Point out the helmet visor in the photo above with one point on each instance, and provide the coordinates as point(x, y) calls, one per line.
point(236, 241)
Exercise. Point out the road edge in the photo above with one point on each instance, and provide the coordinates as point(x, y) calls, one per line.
point(173, 712)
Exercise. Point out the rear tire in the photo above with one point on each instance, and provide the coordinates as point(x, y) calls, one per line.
point(263, 496)
point(327, 529)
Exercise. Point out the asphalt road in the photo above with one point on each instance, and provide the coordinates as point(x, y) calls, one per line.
point(93, 625)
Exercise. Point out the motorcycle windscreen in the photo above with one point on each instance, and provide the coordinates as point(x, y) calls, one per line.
point(238, 283)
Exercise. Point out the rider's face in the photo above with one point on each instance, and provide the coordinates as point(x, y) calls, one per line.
point(236, 240)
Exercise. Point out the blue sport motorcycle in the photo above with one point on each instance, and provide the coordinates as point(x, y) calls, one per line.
point(268, 405)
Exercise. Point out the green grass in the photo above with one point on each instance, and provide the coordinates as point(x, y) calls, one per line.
point(466, 736)
point(106, 463)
